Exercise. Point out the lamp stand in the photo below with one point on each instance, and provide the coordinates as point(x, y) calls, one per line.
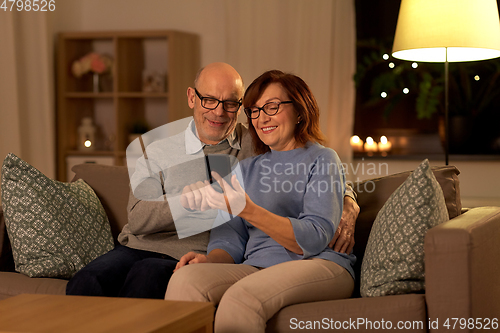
point(446, 110)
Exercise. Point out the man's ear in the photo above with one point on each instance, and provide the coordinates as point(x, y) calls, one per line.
point(191, 95)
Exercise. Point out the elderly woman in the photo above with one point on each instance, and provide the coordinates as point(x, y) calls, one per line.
point(279, 238)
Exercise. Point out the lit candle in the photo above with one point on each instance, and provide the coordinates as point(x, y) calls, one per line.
point(384, 145)
point(370, 145)
point(356, 144)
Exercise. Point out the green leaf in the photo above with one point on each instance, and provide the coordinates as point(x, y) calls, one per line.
point(428, 99)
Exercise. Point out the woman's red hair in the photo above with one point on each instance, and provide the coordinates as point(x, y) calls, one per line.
point(303, 102)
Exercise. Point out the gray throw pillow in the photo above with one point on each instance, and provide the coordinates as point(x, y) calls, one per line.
point(394, 256)
point(55, 228)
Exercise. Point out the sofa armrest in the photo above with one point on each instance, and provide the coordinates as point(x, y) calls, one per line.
point(462, 266)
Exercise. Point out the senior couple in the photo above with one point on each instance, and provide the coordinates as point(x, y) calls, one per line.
point(281, 247)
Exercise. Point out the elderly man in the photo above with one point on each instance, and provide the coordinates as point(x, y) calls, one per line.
point(150, 246)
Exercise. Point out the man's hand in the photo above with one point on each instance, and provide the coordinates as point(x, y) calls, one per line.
point(191, 258)
point(194, 197)
point(343, 240)
point(201, 196)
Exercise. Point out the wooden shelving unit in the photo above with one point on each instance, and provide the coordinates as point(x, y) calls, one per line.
point(121, 102)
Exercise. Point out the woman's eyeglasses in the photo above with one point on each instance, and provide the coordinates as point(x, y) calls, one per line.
point(270, 109)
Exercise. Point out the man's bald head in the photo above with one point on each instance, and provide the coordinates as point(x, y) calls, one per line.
point(221, 68)
point(222, 82)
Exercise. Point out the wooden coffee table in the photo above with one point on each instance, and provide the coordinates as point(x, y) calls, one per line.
point(51, 313)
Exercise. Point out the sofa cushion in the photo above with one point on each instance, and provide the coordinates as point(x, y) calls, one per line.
point(373, 193)
point(55, 228)
point(111, 184)
point(373, 314)
point(14, 284)
point(394, 256)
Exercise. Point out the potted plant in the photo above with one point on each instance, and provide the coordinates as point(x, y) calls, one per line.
point(97, 64)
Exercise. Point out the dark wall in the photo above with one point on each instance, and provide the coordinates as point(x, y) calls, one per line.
point(376, 22)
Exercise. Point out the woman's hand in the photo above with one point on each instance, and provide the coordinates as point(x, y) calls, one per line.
point(343, 240)
point(215, 256)
point(202, 196)
point(233, 199)
point(192, 258)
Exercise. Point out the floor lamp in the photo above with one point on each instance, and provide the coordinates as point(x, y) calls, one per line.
point(447, 31)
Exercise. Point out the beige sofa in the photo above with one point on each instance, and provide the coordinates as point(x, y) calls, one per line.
point(462, 263)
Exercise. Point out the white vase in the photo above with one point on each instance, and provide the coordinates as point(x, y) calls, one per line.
point(86, 134)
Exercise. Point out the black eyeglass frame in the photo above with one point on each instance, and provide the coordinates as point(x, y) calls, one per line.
point(218, 102)
point(248, 111)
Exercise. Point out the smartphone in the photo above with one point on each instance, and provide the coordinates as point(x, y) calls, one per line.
point(220, 163)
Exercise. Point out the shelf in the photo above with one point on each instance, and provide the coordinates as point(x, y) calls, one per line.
point(138, 94)
point(142, 95)
point(90, 153)
point(121, 154)
point(166, 61)
point(89, 95)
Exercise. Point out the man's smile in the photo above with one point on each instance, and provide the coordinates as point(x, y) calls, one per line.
point(216, 123)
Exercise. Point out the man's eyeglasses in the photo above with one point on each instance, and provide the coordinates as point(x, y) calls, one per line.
point(211, 103)
point(270, 109)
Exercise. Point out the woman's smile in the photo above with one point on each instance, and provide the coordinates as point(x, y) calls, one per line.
point(268, 129)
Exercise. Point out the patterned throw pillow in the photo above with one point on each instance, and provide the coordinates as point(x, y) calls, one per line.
point(394, 256)
point(55, 228)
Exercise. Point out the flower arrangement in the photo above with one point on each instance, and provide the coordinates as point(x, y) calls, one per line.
point(92, 62)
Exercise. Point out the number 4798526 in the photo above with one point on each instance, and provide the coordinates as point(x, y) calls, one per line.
point(28, 5)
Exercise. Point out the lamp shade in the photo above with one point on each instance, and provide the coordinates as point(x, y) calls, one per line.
point(452, 30)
